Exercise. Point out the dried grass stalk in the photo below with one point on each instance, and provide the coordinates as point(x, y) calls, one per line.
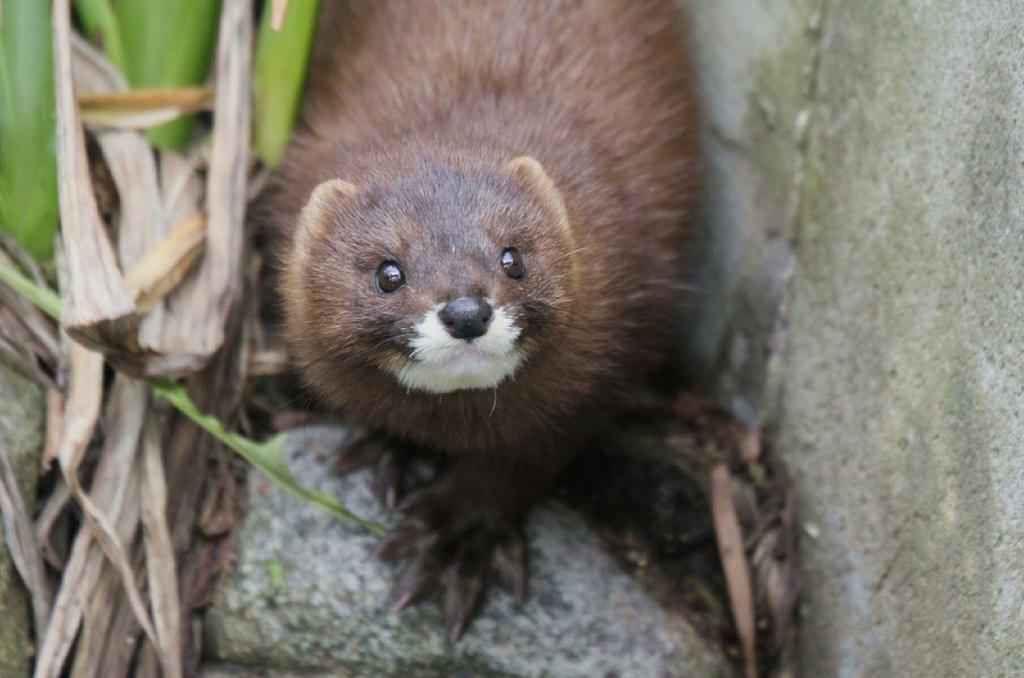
point(178, 336)
point(141, 227)
point(121, 642)
point(142, 108)
point(77, 587)
point(165, 266)
point(161, 572)
point(220, 277)
point(97, 309)
point(183, 192)
point(128, 406)
point(47, 520)
point(156, 258)
point(82, 413)
point(112, 512)
point(108, 631)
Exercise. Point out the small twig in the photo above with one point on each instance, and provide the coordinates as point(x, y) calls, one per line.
point(734, 563)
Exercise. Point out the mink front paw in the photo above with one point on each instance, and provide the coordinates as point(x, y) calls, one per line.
point(397, 468)
point(453, 544)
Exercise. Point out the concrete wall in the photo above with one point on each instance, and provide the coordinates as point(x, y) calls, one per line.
point(898, 332)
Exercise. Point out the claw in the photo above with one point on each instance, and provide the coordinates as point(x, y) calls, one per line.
point(463, 597)
point(397, 470)
point(511, 566)
point(413, 583)
point(400, 542)
point(387, 480)
point(432, 504)
point(414, 501)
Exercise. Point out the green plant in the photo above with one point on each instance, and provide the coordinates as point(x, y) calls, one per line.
point(282, 59)
point(28, 164)
point(158, 43)
point(101, 27)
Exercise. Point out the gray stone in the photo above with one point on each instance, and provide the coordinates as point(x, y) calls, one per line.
point(307, 596)
point(21, 431)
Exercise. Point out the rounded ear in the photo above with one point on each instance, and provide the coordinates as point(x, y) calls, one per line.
point(532, 175)
point(313, 218)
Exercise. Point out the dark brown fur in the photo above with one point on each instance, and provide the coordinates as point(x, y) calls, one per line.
point(421, 105)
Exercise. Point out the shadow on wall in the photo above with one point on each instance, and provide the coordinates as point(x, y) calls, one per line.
point(757, 67)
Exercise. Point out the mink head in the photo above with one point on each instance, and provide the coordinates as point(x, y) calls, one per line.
point(441, 277)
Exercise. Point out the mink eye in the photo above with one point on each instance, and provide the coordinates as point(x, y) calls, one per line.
point(390, 277)
point(512, 263)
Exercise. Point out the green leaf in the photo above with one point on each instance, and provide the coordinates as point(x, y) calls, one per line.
point(43, 297)
point(102, 28)
point(168, 43)
point(28, 163)
point(266, 456)
point(282, 59)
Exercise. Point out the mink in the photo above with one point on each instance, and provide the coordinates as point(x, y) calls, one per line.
point(483, 225)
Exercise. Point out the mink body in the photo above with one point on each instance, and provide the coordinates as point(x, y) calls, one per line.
point(442, 134)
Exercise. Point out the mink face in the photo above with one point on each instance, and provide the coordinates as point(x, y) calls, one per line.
point(442, 278)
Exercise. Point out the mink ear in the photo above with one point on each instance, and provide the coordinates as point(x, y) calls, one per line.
point(530, 172)
point(314, 216)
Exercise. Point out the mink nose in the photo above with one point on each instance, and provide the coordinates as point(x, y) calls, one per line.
point(466, 317)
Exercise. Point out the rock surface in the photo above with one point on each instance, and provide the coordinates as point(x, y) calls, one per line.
point(306, 596)
point(21, 435)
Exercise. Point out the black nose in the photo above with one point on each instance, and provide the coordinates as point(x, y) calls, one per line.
point(466, 318)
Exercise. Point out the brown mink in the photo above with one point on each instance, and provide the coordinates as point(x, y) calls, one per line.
point(483, 224)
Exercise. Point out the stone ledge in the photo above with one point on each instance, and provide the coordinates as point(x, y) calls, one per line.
point(306, 596)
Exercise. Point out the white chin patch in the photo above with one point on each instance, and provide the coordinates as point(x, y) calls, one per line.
point(440, 363)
